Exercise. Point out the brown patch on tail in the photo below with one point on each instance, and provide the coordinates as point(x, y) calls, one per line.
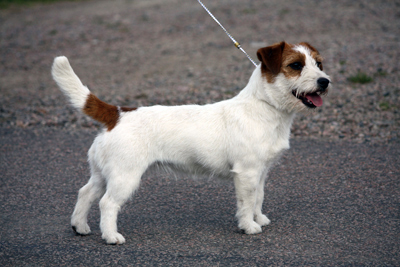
point(103, 112)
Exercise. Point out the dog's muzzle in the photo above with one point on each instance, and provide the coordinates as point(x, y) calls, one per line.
point(323, 84)
point(313, 100)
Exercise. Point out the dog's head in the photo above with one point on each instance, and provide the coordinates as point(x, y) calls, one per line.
point(295, 76)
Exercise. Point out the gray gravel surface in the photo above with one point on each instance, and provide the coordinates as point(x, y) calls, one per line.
point(331, 204)
point(147, 52)
point(334, 199)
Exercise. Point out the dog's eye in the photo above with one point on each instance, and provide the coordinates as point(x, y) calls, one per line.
point(319, 65)
point(296, 66)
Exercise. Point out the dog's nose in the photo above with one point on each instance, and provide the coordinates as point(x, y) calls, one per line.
point(323, 83)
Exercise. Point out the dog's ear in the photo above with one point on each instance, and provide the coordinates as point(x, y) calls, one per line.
point(271, 57)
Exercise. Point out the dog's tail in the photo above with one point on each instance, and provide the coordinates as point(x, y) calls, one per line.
point(81, 97)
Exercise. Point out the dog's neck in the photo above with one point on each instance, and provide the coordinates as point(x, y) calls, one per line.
point(254, 85)
point(260, 89)
point(258, 94)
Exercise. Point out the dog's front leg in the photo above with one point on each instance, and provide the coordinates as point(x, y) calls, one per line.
point(246, 183)
point(260, 218)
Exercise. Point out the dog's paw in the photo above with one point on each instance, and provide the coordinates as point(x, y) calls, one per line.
point(262, 220)
point(81, 230)
point(113, 238)
point(250, 228)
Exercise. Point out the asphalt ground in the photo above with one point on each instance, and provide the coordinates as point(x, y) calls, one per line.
point(331, 204)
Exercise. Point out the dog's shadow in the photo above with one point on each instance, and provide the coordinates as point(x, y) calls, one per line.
point(177, 203)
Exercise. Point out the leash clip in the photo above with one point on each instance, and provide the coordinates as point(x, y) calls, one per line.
point(237, 44)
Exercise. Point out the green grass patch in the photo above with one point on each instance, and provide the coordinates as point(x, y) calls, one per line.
point(283, 12)
point(360, 77)
point(384, 106)
point(381, 73)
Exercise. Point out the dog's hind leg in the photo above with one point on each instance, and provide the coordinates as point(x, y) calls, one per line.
point(89, 193)
point(119, 189)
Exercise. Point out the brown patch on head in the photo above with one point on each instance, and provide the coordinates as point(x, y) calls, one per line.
point(277, 59)
point(314, 54)
point(103, 112)
point(282, 58)
point(292, 62)
point(271, 60)
point(310, 47)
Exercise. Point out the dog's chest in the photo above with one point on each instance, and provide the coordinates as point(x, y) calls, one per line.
point(272, 151)
point(271, 140)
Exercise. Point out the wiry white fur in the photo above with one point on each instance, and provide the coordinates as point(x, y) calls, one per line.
point(239, 139)
point(69, 83)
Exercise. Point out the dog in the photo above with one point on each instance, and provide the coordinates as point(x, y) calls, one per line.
point(238, 139)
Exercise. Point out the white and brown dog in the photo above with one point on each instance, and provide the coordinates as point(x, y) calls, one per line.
point(238, 139)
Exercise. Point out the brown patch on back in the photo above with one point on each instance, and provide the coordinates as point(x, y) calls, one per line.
point(103, 112)
point(125, 109)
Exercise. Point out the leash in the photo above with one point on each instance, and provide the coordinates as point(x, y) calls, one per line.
point(237, 44)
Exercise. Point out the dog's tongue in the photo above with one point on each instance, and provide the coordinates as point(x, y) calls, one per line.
point(315, 99)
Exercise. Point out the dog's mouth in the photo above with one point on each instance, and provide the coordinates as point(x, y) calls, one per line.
point(311, 100)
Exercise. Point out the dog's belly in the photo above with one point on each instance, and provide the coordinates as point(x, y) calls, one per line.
point(196, 169)
point(192, 160)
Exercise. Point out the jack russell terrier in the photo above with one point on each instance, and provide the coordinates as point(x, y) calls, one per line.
point(238, 139)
